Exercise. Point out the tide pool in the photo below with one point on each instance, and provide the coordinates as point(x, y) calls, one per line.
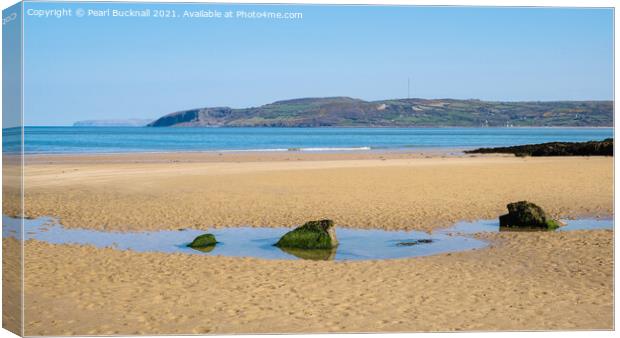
point(355, 244)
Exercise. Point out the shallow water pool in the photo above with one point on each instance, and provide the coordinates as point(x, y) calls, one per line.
point(355, 244)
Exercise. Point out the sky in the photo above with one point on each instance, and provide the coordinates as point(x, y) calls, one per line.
point(83, 68)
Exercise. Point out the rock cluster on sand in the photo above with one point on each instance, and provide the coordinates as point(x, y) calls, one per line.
point(590, 148)
point(525, 214)
point(312, 235)
point(203, 241)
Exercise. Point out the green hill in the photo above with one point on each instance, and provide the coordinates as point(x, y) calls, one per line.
point(350, 112)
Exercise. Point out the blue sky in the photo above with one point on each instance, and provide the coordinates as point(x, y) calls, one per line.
point(106, 67)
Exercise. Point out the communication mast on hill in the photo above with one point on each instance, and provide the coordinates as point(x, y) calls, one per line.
point(408, 88)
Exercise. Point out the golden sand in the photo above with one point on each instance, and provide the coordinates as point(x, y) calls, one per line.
point(523, 281)
point(389, 193)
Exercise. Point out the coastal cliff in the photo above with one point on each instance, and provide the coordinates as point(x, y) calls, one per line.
point(350, 112)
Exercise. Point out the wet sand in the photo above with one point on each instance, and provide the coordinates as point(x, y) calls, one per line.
point(523, 281)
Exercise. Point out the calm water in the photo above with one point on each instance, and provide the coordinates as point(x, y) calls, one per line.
point(124, 139)
point(492, 225)
point(355, 244)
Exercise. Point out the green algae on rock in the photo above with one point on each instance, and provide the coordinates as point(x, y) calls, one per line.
point(524, 214)
point(203, 241)
point(312, 235)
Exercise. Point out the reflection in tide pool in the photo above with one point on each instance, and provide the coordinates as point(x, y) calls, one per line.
point(492, 225)
point(355, 244)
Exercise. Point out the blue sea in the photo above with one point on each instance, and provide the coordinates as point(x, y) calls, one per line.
point(46, 140)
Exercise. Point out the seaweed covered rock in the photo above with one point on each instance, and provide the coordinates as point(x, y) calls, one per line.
point(525, 214)
point(202, 241)
point(312, 235)
point(590, 148)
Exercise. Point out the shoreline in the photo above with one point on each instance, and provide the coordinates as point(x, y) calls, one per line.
point(302, 150)
point(333, 127)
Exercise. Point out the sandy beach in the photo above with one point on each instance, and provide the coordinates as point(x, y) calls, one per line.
point(244, 168)
point(522, 281)
point(525, 281)
point(379, 190)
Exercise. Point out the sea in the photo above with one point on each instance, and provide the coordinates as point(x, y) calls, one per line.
point(67, 140)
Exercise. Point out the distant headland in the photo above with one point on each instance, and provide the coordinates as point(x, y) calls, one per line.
point(113, 123)
point(415, 112)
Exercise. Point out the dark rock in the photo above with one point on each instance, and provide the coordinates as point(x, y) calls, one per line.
point(203, 241)
point(312, 235)
point(524, 214)
point(590, 148)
